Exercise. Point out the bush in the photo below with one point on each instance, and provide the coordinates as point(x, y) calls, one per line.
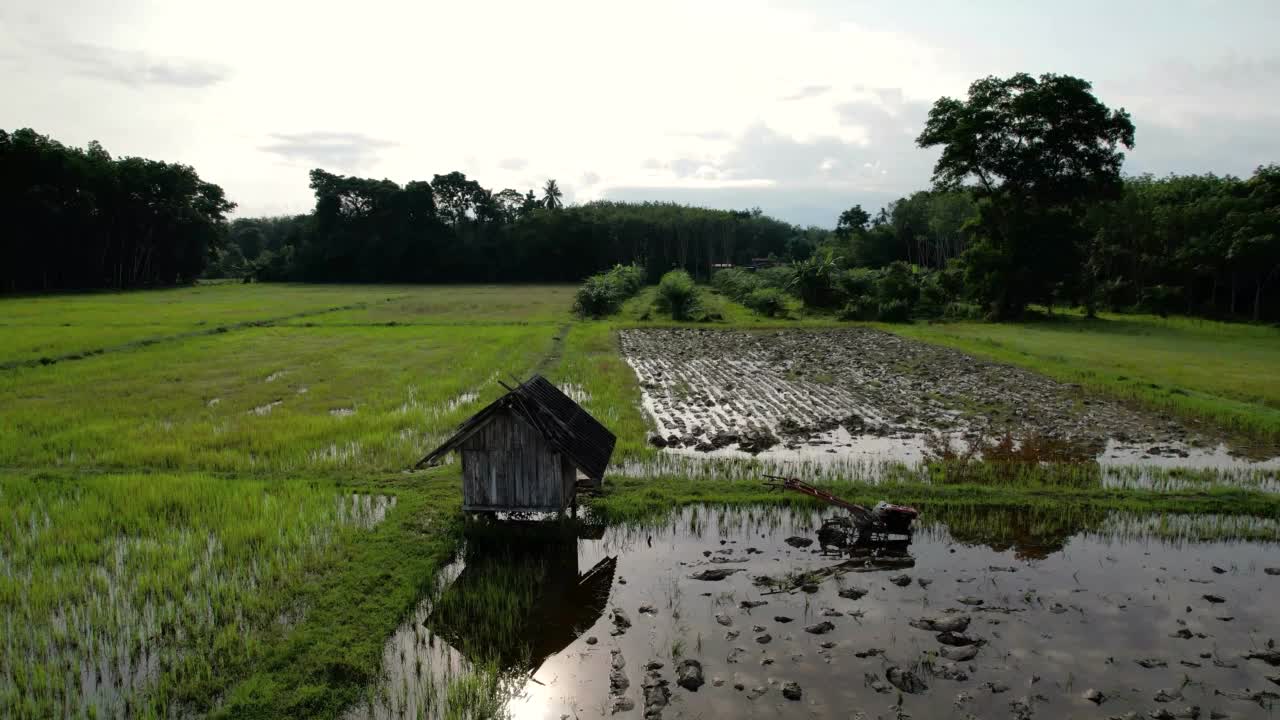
point(678, 295)
point(963, 311)
point(627, 278)
point(780, 277)
point(735, 283)
point(597, 297)
point(603, 293)
point(863, 307)
point(766, 301)
point(894, 311)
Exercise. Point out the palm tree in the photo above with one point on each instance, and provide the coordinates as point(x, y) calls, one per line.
point(551, 196)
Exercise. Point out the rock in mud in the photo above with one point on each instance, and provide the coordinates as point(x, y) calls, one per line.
point(952, 623)
point(1191, 712)
point(1021, 709)
point(996, 688)
point(830, 612)
point(654, 665)
point(852, 593)
point(648, 610)
point(622, 703)
point(724, 619)
point(874, 682)
point(752, 604)
point(764, 639)
point(924, 582)
point(735, 655)
point(958, 639)
point(1270, 656)
point(656, 695)
point(1274, 679)
point(1215, 599)
point(689, 674)
point(950, 671)
point(657, 441)
point(1152, 663)
point(959, 653)
point(781, 618)
point(971, 601)
point(1095, 696)
point(618, 682)
point(713, 574)
point(757, 692)
point(1167, 696)
point(792, 691)
point(906, 681)
point(901, 580)
point(620, 621)
point(796, 541)
point(1271, 571)
point(821, 628)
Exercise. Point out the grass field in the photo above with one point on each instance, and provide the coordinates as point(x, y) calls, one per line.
point(1222, 372)
point(51, 327)
point(179, 515)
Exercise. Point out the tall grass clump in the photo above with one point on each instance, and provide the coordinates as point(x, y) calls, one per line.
point(752, 290)
point(603, 293)
point(678, 295)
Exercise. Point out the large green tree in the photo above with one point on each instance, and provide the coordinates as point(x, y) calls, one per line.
point(1034, 151)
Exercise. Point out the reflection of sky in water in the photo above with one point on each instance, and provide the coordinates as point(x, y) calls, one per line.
point(1123, 600)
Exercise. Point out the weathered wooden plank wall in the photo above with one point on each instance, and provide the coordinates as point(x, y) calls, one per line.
point(507, 464)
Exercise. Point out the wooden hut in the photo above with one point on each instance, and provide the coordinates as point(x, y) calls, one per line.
point(523, 452)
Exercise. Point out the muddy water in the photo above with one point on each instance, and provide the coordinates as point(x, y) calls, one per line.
point(859, 393)
point(1059, 609)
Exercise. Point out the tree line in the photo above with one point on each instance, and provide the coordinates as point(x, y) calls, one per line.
point(1028, 206)
point(452, 229)
point(78, 218)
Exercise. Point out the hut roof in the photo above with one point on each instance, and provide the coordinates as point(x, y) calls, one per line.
point(566, 426)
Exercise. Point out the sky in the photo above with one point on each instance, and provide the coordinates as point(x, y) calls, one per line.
point(800, 108)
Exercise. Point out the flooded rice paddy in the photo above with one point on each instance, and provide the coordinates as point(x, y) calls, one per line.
point(739, 613)
point(804, 397)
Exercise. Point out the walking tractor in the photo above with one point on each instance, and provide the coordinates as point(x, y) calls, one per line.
point(882, 523)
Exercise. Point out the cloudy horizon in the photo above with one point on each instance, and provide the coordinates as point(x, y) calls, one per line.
point(801, 109)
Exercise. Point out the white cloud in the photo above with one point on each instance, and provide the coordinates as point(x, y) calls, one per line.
point(723, 95)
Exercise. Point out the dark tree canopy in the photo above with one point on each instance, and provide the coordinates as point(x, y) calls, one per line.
point(1049, 139)
point(1035, 152)
point(80, 219)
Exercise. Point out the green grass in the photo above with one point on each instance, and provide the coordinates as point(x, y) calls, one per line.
point(51, 326)
point(239, 574)
point(461, 304)
point(262, 399)
point(1222, 373)
point(161, 582)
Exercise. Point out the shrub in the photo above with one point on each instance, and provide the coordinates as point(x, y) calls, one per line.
point(735, 283)
point(898, 284)
point(781, 277)
point(862, 307)
point(766, 301)
point(678, 295)
point(894, 311)
point(628, 278)
point(603, 293)
point(963, 311)
point(856, 282)
point(597, 297)
point(815, 278)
